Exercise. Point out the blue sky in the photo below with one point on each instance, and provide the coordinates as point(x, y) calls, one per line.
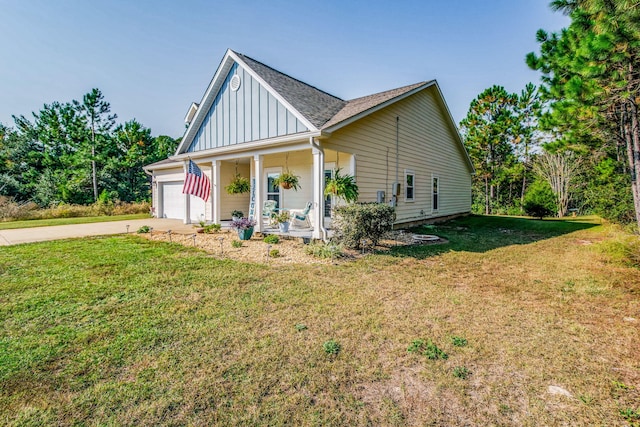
point(151, 59)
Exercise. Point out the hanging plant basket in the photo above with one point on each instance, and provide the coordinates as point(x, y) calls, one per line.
point(342, 186)
point(287, 180)
point(239, 185)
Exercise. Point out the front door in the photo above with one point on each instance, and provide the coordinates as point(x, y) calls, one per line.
point(274, 192)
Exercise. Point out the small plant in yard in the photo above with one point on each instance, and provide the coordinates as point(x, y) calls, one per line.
point(301, 327)
point(236, 243)
point(630, 414)
point(320, 250)
point(274, 253)
point(144, 229)
point(428, 349)
point(461, 372)
point(272, 239)
point(417, 346)
point(459, 341)
point(212, 228)
point(331, 347)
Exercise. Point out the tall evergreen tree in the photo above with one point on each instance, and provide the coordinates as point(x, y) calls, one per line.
point(95, 111)
point(591, 72)
point(489, 130)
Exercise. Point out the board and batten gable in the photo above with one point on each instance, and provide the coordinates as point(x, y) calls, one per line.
point(248, 113)
point(428, 147)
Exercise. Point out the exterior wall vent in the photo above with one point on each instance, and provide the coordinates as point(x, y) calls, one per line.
point(235, 82)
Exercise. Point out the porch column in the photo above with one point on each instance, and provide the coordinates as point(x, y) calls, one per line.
point(215, 192)
point(318, 193)
point(256, 190)
point(187, 199)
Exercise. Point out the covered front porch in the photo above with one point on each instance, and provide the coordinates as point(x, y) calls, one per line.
point(309, 162)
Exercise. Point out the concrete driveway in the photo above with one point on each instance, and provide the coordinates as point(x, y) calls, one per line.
point(57, 232)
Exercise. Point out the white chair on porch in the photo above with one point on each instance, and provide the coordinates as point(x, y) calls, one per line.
point(300, 217)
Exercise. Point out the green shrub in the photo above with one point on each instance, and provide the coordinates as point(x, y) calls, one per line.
point(461, 372)
point(459, 341)
point(272, 239)
point(212, 228)
point(236, 243)
point(144, 229)
point(359, 221)
point(539, 200)
point(331, 347)
point(428, 349)
point(274, 253)
point(321, 250)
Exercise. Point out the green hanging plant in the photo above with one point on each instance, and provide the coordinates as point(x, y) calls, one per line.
point(238, 185)
point(342, 186)
point(287, 180)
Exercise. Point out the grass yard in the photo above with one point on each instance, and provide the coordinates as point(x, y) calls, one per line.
point(10, 225)
point(127, 331)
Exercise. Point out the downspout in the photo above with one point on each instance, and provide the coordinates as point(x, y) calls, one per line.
point(316, 145)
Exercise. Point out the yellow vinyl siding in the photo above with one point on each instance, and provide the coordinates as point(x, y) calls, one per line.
point(231, 202)
point(427, 146)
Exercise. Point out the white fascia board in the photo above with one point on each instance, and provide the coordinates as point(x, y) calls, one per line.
point(159, 167)
point(273, 92)
point(255, 147)
point(192, 111)
point(207, 100)
point(454, 127)
point(375, 108)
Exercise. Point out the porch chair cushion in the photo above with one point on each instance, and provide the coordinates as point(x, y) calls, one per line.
point(300, 218)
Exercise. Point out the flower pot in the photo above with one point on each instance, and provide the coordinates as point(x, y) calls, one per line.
point(284, 227)
point(235, 218)
point(245, 234)
point(286, 185)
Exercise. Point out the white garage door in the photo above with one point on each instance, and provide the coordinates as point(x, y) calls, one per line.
point(173, 202)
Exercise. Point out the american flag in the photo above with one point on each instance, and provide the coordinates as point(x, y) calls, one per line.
point(196, 183)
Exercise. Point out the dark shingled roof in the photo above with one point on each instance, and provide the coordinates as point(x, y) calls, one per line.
point(360, 105)
point(315, 105)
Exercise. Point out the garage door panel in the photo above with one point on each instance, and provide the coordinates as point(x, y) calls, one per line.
point(173, 202)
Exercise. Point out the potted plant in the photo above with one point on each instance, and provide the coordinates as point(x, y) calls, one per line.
point(342, 186)
point(238, 185)
point(244, 227)
point(236, 215)
point(282, 219)
point(287, 180)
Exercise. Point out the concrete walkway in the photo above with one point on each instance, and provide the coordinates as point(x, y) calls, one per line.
point(57, 232)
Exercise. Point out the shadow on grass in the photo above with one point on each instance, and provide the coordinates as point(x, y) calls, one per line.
point(476, 233)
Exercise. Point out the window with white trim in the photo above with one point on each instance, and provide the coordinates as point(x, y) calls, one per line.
point(409, 187)
point(435, 185)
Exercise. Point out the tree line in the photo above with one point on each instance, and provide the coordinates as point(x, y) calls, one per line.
point(75, 153)
point(573, 143)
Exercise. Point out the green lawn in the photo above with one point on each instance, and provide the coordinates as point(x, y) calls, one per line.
point(64, 221)
point(127, 331)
